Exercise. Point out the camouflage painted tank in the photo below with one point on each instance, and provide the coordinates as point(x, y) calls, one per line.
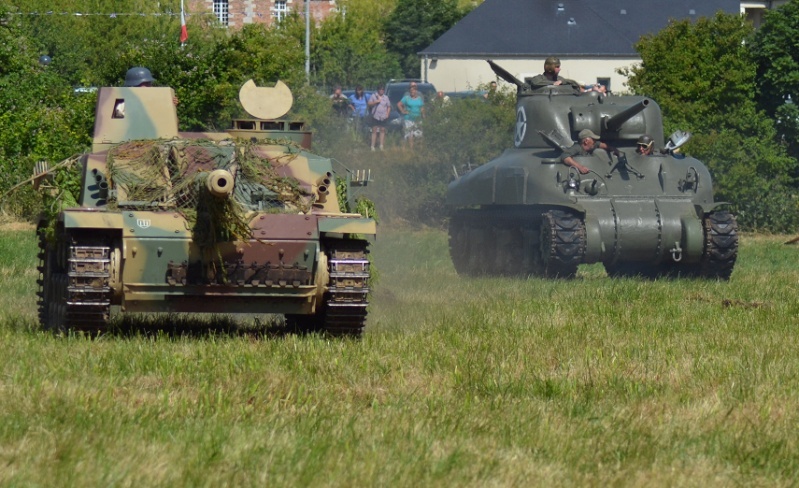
point(527, 213)
point(243, 221)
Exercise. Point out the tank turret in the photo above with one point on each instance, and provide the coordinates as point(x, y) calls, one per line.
point(528, 213)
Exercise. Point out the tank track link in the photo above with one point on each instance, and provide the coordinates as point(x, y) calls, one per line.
point(721, 245)
point(344, 310)
point(74, 291)
point(562, 243)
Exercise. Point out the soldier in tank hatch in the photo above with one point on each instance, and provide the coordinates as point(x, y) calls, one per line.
point(551, 76)
point(645, 145)
point(134, 78)
point(587, 142)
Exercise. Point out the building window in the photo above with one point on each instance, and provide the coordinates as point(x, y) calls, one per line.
point(221, 11)
point(281, 10)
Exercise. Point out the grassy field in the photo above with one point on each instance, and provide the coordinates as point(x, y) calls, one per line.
point(457, 382)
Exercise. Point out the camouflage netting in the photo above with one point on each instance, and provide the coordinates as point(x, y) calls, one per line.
point(172, 175)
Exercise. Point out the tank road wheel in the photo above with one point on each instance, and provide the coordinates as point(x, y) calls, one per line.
point(343, 309)
point(562, 243)
point(721, 245)
point(74, 293)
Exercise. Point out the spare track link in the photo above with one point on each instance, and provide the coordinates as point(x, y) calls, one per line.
point(562, 243)
point(721, 245)
point(348, 288)
point(73, 295)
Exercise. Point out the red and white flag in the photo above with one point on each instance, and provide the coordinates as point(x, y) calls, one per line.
point(184, 34)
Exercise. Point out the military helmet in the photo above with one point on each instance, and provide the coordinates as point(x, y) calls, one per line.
point(137, 76)
point(645, 140)
point(550, 64)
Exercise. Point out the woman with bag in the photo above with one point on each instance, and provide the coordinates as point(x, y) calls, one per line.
point(379, 108)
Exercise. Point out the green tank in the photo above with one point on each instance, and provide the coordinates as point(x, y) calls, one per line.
point(527, 213)
point(242, 221)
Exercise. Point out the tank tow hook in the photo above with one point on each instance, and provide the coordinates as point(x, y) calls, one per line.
point(676, 252)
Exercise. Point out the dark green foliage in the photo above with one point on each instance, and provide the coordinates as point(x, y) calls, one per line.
point(709, 89)
point(414, 25)
point(346, 53)
point(777, 58)
point(471, 131)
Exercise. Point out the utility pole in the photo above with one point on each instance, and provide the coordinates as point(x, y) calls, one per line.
point(308, 41)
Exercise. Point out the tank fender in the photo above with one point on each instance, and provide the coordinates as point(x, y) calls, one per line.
point(349, 224)
point(92, 219)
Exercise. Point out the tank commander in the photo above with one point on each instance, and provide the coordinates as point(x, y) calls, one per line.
point(551, 76)
point(137, 77)
point(587, 143)
point(645, 145)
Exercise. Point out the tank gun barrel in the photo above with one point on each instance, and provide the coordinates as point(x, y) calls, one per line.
point(220, 183)
point(505, 75)
point(614, 123)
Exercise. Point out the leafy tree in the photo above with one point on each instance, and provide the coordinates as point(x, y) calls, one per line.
point(777, 57)
point(709, 89)
point(415, 24)
point(349, 50)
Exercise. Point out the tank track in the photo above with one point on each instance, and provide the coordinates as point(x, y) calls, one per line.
point(562, 243)
point(721, 245)
point(74, 291)
point(480, 245)
point(344, 310)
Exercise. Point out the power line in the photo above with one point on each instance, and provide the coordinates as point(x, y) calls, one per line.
point(112, 15)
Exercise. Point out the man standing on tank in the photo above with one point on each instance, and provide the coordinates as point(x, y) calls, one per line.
point(551, 76)
point(585, 146)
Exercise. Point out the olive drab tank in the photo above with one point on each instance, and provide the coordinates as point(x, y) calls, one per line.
point(242, 221)
point(527, 213)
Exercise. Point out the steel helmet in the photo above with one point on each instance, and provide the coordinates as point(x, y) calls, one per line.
point(137, 76)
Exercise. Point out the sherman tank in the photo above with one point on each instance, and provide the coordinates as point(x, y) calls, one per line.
point(527, 213)
point(242, 221)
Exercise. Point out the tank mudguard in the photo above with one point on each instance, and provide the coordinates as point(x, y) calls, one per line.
point(347, 225)
point(91, 218)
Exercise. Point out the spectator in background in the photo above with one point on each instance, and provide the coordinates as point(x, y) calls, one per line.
point(492, 90)
point(341, 104)
point(358, 101)
point(412, 108)
point(380, 108)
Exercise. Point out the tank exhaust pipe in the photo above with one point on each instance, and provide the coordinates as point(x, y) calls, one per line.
point(323, 187)
point(614, 123)
point(220, 183)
